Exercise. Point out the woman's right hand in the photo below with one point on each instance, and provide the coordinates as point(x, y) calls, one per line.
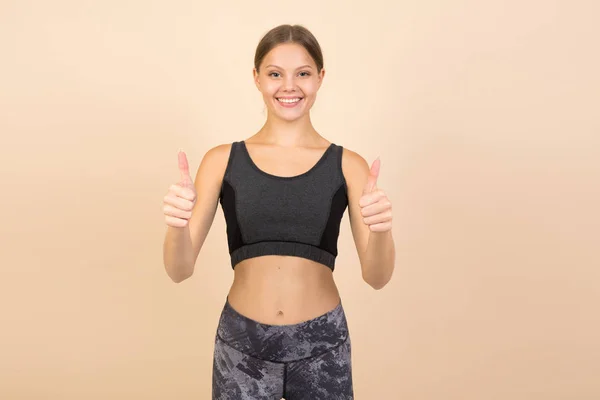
point(181, 197)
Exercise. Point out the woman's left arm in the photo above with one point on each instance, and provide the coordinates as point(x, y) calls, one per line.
point(370, 212)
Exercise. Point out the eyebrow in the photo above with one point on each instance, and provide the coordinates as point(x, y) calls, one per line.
point(276, 66)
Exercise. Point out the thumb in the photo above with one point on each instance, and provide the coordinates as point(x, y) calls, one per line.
point(184, 169)
point(373, 175)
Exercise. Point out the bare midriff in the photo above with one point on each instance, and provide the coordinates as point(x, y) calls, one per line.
point(282, 290)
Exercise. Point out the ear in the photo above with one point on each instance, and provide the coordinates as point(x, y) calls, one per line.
point(321, 76)
point(256, 80)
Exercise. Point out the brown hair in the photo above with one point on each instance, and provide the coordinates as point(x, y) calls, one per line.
point(289, 34)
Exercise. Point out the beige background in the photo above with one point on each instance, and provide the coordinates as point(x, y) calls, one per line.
point(485, 115)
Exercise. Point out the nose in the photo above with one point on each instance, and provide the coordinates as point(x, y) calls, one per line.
point(289, 84)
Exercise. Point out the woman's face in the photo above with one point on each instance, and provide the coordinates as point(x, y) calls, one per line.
point(289, 81)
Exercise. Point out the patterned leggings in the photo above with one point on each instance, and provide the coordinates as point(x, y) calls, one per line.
point(308, 360)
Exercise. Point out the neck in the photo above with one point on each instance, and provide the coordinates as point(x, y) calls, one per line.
point(289, 133)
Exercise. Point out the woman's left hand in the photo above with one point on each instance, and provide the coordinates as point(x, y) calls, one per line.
point(375, 207)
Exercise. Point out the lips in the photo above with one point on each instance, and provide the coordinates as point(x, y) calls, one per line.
point(289, 102)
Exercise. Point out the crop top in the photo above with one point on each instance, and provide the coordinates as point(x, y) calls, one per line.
point(275, 215)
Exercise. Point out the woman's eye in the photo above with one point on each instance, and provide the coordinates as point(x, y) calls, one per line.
point(276, 74)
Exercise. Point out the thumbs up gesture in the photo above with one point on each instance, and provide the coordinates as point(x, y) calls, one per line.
point(181, 197)
point(375, 207)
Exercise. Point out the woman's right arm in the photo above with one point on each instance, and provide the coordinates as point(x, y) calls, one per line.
point(189, 209)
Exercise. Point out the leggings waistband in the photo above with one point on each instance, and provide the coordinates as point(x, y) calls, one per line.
point(282, 343)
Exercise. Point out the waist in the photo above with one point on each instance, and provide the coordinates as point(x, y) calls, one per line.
point(282, 290)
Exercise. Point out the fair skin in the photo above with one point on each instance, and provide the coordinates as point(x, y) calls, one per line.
point(276, 289)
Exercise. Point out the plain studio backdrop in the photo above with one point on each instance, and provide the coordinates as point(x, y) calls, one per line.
point(485, 115)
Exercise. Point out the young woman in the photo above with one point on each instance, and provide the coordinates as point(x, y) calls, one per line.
point(283, 191)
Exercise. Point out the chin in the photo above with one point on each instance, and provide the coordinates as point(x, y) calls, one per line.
point(291, 116)
point(287, 116)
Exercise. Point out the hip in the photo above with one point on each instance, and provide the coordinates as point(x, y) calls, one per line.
point(283, 343)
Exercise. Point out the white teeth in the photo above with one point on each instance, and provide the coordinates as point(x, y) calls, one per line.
point(289, 100)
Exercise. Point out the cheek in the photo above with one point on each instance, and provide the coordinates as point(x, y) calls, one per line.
point(310, 89)
point(269, 89)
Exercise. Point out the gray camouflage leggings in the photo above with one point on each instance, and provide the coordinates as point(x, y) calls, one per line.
point(308, 360)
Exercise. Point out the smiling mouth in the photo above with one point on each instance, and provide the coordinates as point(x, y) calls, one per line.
point(293, 100)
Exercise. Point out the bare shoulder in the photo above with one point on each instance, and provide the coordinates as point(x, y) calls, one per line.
point(215, 160)
point(355, 168)
point(218, 155)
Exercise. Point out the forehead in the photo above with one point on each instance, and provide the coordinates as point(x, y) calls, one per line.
point(288, 55)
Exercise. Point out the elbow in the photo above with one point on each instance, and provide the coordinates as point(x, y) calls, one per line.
point(378, 287)
point(179, 275)
point(179, 279)
point(377, 276)
point(376, 284)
